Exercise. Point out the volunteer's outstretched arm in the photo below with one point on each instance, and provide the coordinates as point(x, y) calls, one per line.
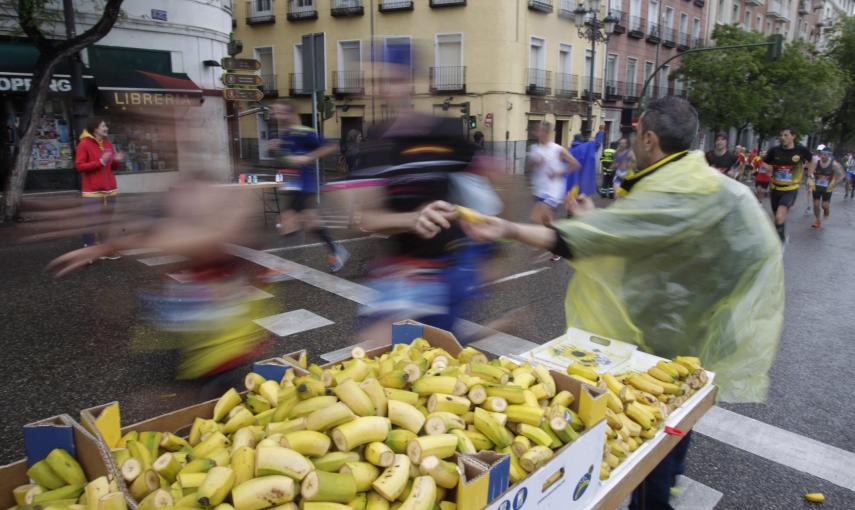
point(438, 214)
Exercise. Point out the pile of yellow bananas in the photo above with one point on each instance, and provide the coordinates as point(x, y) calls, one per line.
point(60, 484)
point(373, 434)
point(639, 402)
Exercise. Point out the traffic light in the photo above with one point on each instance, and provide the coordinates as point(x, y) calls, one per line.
point(464, 109)
point(776, 46)
point(473, 122)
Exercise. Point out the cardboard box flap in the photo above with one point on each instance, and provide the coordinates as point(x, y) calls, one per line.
point(104, 422)
point(93, 458)
point(43, 436)
point(407, 331)
point(479, 484)
point(272, 369)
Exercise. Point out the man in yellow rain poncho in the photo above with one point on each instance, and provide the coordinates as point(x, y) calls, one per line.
point(686, 263)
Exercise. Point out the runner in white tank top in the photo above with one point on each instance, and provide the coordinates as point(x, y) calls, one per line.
point(549, 162)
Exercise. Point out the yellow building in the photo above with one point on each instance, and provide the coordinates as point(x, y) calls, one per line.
point(514, 62)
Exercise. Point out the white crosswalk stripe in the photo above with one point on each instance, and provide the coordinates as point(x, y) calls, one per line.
point(139, 251)
point(293, 322)
point(162, 260)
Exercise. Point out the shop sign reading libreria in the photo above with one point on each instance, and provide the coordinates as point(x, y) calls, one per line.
point(148, 98)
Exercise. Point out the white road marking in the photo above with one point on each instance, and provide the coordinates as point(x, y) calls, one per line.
point(162, 260)
point(513, 277)
point(781, 446)
point(256, 294)
point(693, 496)
point(325, 281)
point(314, 245)
point(295, 321)
point(139, 251)
point(180, 277)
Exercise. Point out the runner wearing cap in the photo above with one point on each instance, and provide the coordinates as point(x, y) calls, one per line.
point(823, 178)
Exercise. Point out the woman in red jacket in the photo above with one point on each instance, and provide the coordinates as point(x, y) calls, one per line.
point(96, 159)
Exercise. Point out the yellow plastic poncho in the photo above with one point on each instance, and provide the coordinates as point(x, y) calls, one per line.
point(687, 264)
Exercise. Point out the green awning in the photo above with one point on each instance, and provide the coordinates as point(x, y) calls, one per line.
point(16, 68)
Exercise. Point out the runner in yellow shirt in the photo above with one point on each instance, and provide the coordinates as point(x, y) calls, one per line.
point(786, 163)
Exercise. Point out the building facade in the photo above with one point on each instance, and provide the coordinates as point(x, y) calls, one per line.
point(806, 20)
point(503, 64)
point(647, 34)
point(154, 78)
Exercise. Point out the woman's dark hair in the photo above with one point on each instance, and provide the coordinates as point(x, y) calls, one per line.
point(92, 124)
point(675, 122)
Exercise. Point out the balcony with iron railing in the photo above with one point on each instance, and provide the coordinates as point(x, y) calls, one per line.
point(697, 42)
point(395, 5)
point(621, 23)
point(654, 34)
point(448, 80)
point(540, 5)
point(297, 12)
point(260, 12)
point(341, 8)
point(348, 83)
point(682, 41)
point(613, 91)
point(636, 27)
point(566, 85)
point(268, 85)
point(804, 7)
point(631, 90)
point(539, 82)
point(598, 87)
point(669, 37)
point(295, 85)
point(446, 3)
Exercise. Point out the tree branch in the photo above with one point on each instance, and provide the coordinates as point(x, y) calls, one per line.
point(94, 33)
point(30, 25)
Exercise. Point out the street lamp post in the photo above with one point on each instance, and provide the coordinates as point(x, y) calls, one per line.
point(594, 30)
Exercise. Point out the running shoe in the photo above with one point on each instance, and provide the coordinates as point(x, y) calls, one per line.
point(554, 258)
point(337, 261)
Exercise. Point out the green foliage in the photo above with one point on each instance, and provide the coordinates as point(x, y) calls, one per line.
point(840, 124)
point(737, 87)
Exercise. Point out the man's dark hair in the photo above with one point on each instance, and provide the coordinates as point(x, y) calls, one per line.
point(675, 122)
point(721, 134)
point(791, 130)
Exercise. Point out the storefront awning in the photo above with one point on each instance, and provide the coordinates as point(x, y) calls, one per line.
point(146, 88)
point(16, 69)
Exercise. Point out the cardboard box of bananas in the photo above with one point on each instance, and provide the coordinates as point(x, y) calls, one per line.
point(379, 431)
point(58, 482)
point(640, 402)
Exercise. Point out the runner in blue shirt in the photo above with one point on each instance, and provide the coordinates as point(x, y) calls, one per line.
point(300, 147)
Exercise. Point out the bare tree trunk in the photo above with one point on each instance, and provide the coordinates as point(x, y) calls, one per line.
point(51, 52)
point(35, 101)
